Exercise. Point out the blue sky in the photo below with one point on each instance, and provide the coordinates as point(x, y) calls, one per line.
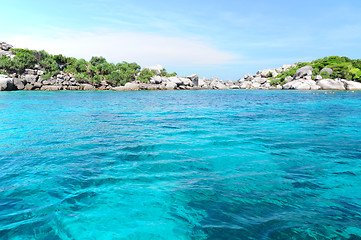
point(212, 38)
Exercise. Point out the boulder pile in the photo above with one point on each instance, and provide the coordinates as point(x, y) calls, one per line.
point(32, 80)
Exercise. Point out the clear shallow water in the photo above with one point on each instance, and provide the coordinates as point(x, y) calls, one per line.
point(180, 165)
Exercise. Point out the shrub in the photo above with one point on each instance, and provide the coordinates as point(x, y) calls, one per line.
point(277, 81)
point(6, 64)
point(23, 60)
point(97, 79)
point(269, 75)
point(146, 74)
point(81, 77)
point(164, 73)
point(97, 61)
point(325, 75)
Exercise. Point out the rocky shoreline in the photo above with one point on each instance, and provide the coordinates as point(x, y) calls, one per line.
point(31, 79)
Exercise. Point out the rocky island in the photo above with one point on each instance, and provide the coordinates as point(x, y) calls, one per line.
point(23, 69)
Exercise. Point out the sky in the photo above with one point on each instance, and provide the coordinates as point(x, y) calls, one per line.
point(226, 39)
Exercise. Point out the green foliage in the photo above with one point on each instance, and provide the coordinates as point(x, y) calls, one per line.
point(280, 79)
point(94, 71)
point(6, 64)
point(23, 60)
point(60, 59)
point(277, 81)
point(164, 73)
point(173, 74)
point(40, 55)
point(269, 75)
point(97, 79)
point(97, 61)
point(325, 75)
point(146, 74)
point(17, 51)
point(47, 76)
point(81, 77)
point(342, 67)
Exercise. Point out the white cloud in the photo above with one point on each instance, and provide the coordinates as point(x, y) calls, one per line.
point(143, 48)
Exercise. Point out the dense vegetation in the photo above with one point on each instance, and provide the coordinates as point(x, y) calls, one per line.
point(342, 67)
point(94, 71)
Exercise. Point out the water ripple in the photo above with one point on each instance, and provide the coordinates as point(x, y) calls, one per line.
point(180, 165)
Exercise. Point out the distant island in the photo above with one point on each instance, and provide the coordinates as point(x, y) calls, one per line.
point(23, 69)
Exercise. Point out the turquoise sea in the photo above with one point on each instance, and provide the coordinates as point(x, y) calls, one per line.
point(232, 164)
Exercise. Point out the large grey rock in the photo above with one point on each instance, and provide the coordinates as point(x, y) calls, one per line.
point(186, 82)
point(285, 68)
point(268, 73)
point(31, 72)
point(202, 83)
point(6, 83)
point(246, 85)
point(194, 78)
point(19, 84)
point(331, 84)
point(150, 87)
point(38, 85)
point(302, 84)
point(87, 87)
point(60, 76)
point(158, 68)
point(4, 46)
point(318, 77)
point(303, 72)
point(217, 84)
point(288, 79)
point(247, 76)
point(175, 80)
point(29, 87)
point(259, 80)
point(170, 86)
point(255, 85)
point(31, 78)
point(266, 86)
point(73, 88)
point(128, 87)
point(51, 88)
point(229, 83)
point(265, 72)
point(328, 70)
point(156, 80)
point(351, 85)
point(220, 86)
